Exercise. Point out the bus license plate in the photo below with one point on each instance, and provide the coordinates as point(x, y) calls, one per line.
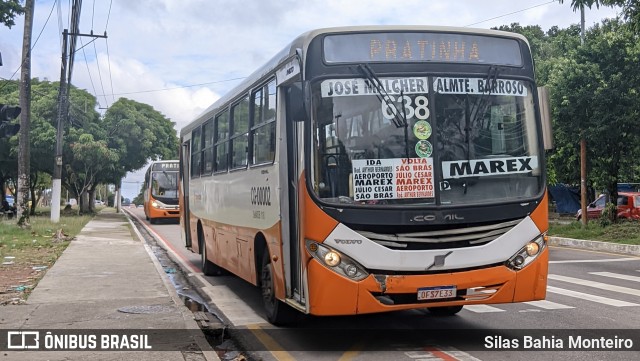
point(436, 293)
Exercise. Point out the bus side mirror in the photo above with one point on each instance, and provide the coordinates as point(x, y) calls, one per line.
point(545, 117)
point(296, 102)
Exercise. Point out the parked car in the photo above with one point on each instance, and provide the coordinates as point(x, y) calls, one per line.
point(628, 206)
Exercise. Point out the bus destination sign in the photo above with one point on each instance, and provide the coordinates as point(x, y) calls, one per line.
point(166, 166)
point(421, 47)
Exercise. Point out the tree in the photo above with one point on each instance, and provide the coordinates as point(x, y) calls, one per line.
point(596, 88)
point(138, 133)
point(9, 9)
point(9, 92)
point(139, 199)
point(577, 4)
point(96, 150)
point(630, 11)
point(90, 157)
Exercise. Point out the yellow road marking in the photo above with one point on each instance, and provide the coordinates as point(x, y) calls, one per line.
point(271, 344)
point(352, 353)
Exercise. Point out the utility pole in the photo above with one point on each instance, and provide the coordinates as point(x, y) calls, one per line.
point(63, 110)
point(24, 154)
point(57, 168)
point(583, 146)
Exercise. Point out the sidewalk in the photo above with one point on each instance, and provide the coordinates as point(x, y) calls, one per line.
point(619, 248)
point(107, 281)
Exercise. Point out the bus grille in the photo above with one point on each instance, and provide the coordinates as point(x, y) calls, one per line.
point(443, 238)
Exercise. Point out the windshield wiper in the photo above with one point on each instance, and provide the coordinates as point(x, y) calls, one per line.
point(382, 94)
point(472, 115)
point(406, 126)
point(492, 76)
point(171, 180)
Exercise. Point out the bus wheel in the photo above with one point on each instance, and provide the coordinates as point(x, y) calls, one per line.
point(209, 268)
point(278, 312)
point(444, 311)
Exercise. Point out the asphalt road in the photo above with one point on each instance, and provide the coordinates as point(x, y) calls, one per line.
point(590, 295)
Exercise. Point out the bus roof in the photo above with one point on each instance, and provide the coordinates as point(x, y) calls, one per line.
point(302, 42)
point(164, 161)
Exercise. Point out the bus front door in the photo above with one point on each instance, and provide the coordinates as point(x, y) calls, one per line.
point(292, 157)
point(184, 195)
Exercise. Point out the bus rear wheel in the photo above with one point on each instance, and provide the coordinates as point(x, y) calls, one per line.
point(444, 311)
point(278, 312)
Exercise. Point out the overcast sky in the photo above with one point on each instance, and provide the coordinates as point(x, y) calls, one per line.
point(179, 56)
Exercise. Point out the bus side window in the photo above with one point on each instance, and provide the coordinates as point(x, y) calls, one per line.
point(221, 141)
point(196, 144)
point(263, 129)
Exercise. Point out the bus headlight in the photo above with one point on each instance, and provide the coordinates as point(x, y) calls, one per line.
point(532, 249)
point(336, 261)
point(158, 204)
point(527, 254)
point(332, 259)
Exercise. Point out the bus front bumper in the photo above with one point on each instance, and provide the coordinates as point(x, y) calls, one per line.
point(332, 294)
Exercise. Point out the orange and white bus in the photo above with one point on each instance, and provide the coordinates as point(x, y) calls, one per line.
point(161, 191)
point(373, 169)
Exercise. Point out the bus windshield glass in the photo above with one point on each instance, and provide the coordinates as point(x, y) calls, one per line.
point(425, 141)
point(164, 184)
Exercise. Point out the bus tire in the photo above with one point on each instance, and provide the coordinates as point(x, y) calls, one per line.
point(278, 312)
point(209, 268)
point(444, 311)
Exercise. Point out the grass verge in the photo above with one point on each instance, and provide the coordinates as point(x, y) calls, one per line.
point(26, 254)
point(625, 232)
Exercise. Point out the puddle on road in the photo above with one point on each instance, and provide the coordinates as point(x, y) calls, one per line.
point(213, 328)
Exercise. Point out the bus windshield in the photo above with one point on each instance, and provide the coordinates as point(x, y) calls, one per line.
point(164, 184)
point(395, 140)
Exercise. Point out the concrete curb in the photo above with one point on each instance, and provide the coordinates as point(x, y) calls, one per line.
point(207, 351)
point(628, 249)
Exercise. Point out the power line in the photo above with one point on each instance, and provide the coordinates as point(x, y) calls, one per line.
point(100, 75)
point(35, 42)
point(108, 56)
point(177, 87)
point(110, 73)
point(108, 16)
point(88, 70)
point(515, 12)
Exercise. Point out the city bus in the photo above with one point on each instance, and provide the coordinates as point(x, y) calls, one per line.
point(161, 191)
point(375, 169)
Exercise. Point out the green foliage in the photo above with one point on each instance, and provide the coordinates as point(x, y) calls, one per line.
point(595, 95)
point(630, 11)
point(139, 133)
point(577, 4)
point(626, 232)
point(609, 214)
point(20, 243)
point(139, 199)
point(9, 9)
point(95, 150)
